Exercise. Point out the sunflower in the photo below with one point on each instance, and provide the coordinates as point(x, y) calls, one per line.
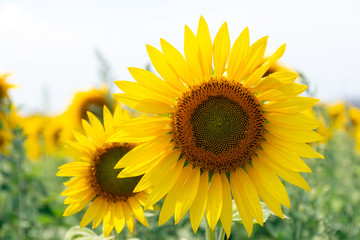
point(33, 129)
point(4, 86)
point(218, 133)
point(55, 134)
point(354, 114)
point(93, 101)
point(94, 177)
point(337, 115)
point(275, 67)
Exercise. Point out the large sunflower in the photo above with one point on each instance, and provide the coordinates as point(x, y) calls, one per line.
point(94, 177)
point(219, 133)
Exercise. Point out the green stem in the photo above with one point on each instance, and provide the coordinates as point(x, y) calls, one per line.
point(221, 234)
point(210, 234)
point(115, 234)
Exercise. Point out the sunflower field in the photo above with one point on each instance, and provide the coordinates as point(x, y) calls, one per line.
point(221, 142)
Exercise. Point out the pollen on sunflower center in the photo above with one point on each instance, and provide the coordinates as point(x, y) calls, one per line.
point(218, 125)
point(104, 176)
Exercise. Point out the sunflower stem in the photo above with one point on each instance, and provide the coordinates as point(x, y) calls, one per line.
point(221, 234)
point(115, 234)
point(210, 234)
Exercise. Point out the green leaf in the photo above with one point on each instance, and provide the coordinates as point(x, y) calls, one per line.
point(77, 233)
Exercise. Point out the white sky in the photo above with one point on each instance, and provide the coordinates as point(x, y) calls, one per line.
point(49, 45)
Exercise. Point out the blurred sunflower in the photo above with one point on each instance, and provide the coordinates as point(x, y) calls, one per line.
point(354, 114)
point(33, 129)
point(55, 134)
point(94, 177)
point(92, 101)
point(4, 86)
point(5, 134)
point(216, 133)
point(275, 67)
point(337, 115)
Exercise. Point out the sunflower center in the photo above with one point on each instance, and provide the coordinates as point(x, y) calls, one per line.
point(105, 179)
point(218, 125)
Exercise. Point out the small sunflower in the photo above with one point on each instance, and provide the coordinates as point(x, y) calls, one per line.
point(92, 101)
point(219, 133)
point(275, 67)
point(337, 115)
point(55, 134)
point(4, 86)
point(94, 177)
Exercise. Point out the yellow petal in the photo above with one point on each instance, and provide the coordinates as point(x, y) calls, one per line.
point(153, 83)
point(73, 169)
point(226, 212)
point(128, 217)
point(302, 149)
point(270, 181)
point(293, 135)
point(101, 214)
point(295, 120)
point(282, 93)
point(119, 217)
point(108, 222)
point(91, 132)
point(84, 141)
point(144, 105)
point(144, 152)
point(243, 191)
point(78, 206)
point(160, 190)
point(197, 209)
point(175, 192)
point(238, 54)
point(108, 122)
point(96, 124)
point(162, 67)
point(288, 175)
point(265, 194)
point(90, 213)
point(275, 80)
point(177, 62)
point(204, 39)
point(255, 77)
point(141, 129)
point(187, 196)
point(192, 54)
point(256, 54)
point(221, 50)
point(135, 90)
point(293, 105)
point(137, 211)
point(215, 201)
point(284, 158)
point(158, 172)
point(74, 190)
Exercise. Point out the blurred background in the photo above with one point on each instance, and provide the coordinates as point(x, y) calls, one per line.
point(50, 45)
point(58, 59)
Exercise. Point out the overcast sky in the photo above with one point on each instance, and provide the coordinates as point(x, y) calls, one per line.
point(49, 45)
